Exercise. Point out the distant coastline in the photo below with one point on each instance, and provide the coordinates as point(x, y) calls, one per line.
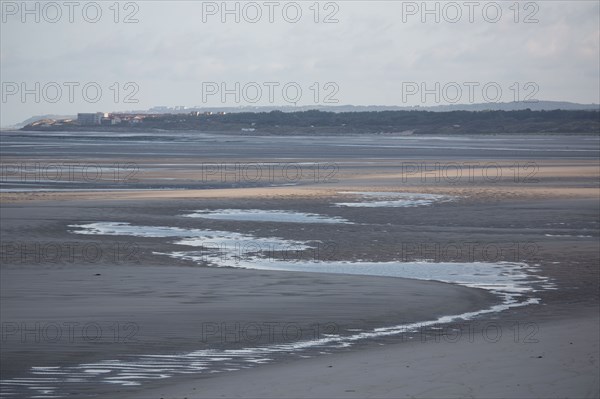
point(315, 122)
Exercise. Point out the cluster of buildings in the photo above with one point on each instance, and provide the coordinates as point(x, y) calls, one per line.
point(118, 119)
point(104, 118)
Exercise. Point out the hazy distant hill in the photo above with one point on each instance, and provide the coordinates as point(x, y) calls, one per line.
point(415, 121)
point(516, 106)
point(510, 106)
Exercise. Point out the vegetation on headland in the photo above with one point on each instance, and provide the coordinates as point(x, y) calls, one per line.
point(382, 122)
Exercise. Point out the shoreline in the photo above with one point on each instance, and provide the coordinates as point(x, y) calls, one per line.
point(176, 307)
point(208, 324)
point(152, 274)
point(481, 366)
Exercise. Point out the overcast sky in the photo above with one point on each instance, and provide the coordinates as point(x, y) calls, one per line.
point(367, 53)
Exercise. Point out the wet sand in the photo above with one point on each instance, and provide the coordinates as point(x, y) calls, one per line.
point(563, 363)
point(167, 304)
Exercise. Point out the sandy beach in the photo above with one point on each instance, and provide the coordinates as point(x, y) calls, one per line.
point(120, 314)
point(560, 362)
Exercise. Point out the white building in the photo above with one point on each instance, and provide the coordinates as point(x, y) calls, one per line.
point(91, 118)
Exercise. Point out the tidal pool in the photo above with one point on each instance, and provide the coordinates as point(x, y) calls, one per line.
point(263, 215)
point(382, 199)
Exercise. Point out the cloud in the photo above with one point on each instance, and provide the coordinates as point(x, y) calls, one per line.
point(369, 52)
